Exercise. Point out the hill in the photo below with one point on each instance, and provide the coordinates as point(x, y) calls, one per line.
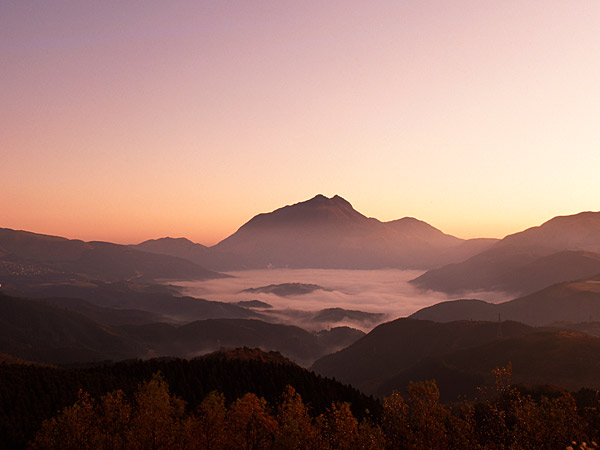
point(574, 302)
point(564, 248)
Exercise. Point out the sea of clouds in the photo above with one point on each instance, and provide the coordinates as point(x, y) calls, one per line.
point(384, 291)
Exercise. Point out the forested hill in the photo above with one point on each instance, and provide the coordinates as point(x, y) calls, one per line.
point(31, 393)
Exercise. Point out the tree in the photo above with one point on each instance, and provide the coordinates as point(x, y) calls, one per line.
point(249, 424)
point(296, 430)
point(207, 428)
point(157, 423)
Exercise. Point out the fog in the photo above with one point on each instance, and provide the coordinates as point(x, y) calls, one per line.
point(375, 291)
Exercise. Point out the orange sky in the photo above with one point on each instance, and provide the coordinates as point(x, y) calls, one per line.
point(158, 118)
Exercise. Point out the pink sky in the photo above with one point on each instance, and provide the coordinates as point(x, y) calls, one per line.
point(129, 122)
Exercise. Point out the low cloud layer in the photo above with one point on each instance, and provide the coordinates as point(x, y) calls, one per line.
point(376, 291)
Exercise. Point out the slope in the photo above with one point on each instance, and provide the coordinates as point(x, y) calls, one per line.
point(562, 249)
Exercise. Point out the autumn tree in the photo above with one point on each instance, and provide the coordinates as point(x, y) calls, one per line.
point(250, 426)
point(207, 427)
point(72, 429)
point(158, 420)
point(296, 430)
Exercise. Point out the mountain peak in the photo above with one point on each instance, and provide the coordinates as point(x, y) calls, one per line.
point(336, 199)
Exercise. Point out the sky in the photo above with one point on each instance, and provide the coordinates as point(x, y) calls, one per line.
point(130, 120)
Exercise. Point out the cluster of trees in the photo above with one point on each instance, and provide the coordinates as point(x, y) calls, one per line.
point(156, 419)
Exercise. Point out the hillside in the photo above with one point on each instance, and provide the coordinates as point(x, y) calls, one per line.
point(30, 256)
point(574, 302)
point(562, 249)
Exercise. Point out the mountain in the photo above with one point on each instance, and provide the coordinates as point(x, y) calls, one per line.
point(398, 345)
point(577, 301)
point(25, 255)
point(562, 249)
point(329, 233)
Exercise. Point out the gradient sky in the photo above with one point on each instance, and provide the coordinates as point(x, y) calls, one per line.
point(130, 120)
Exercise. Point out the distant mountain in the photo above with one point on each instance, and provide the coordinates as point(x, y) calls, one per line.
point(178, 247)
point(398, 345)
point(285, 289)
point(49, 258)
point(329, 233)
point(565, 248)
point(574, 302)
point(324, 233)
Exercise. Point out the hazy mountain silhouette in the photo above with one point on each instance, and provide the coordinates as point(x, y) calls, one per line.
point(577, 301)
point(36, 255)
point(562, 249)
point(325, 233)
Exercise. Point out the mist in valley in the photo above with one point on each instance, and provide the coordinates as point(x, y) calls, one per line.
point(384, 292)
